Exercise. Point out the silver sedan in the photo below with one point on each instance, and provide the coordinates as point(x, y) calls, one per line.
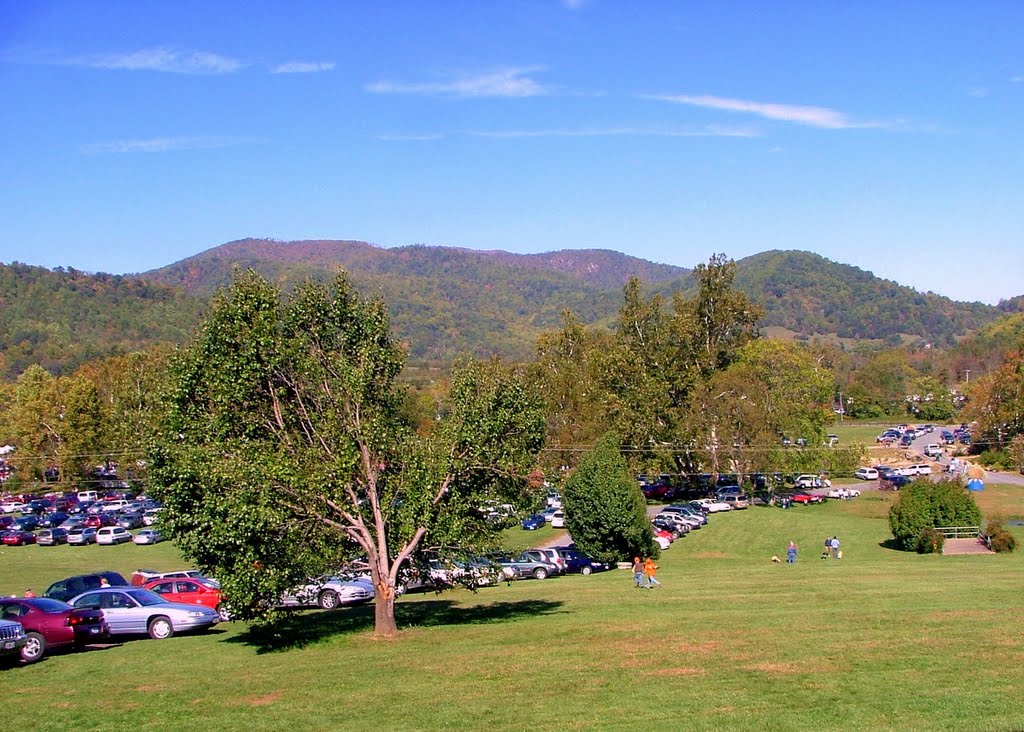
point(134, 611)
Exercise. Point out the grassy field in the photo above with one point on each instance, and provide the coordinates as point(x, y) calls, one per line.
point(879, 640)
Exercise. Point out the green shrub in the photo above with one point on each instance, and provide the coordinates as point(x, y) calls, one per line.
point(999, 539)
point(926, 505)
point(996, 460)
point(1003, 541)
point(930, 541)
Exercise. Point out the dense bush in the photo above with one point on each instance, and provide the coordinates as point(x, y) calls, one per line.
point(997, 460)
point(999, 539)
point(925, 505)
point(605, 511)
point(930, 541)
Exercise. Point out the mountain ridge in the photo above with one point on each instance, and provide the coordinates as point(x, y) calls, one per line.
point(447, 302)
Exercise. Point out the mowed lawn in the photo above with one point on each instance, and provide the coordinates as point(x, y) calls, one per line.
point(879, 640)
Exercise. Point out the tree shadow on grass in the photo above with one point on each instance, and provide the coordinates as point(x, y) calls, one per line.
point(299, 630)
point(891, 544)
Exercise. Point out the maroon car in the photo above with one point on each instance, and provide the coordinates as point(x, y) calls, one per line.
point(52, 624)
point(99, 520)
point(15, 537)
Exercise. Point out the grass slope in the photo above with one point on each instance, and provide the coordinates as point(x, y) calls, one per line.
point(880, 640)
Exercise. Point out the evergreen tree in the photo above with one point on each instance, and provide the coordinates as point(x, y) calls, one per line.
point(604, 508)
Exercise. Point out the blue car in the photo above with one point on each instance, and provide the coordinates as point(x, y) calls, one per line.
point(576, 562)
point(533, 522)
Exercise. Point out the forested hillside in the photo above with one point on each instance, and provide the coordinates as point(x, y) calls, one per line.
point(444, 301)
point(61, 319)
point(447, 301)
point(809, 294)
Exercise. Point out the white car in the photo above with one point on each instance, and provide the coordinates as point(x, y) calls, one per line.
point(866, 473)
point(712, 505)
point(558, 519)
point(843, 493)
point(812, 481)
point(150, 516)
point(12, 506)
point(110, 535)
point(933, 450)
point(918, 469)
point(329, 593)
point(662, 542)
point(147, 536)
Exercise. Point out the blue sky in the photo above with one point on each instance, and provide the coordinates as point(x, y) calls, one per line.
point(887, 135)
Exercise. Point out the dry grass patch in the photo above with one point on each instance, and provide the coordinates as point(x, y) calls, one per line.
point(260, 701)
point(683, 671)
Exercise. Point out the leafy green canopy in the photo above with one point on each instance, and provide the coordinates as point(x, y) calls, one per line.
point(283, 454)
point(926, 505)
point(604, 508)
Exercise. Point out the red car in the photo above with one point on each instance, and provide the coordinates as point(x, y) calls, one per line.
point(99, 520)
point(662, 533)
point(190, 591)
point(806, 498)
point(52, 623)
point(14, 537)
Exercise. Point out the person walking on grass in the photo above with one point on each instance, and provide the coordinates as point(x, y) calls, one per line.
point(638, 572)
point(835, 547)
point(791, 553)
point(650, 568)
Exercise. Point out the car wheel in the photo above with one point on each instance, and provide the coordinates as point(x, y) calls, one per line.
point(34, 649)
point(540, 573)
point(160, 628)
point(586, 570)
point(328, 600)
point(224, 612)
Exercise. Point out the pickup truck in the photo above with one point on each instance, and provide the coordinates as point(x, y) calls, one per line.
point(933, 450)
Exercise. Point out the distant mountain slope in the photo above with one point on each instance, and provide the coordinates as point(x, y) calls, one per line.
point(446, 301)
point(61, 319)
point(809, 294)
point(206, 271)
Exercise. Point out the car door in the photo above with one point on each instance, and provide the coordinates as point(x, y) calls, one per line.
point(122, 613)
point(166, 589)
point(192, 592)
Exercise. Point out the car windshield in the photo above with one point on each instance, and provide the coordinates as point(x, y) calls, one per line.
point(48, 605)
point(147, 597)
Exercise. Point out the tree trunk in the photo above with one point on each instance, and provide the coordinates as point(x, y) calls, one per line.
point(384, 611)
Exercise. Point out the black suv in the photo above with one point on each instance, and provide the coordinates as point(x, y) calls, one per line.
point(65, 589)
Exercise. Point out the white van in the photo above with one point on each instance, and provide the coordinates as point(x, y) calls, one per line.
point(866, 473)
point(88, 496)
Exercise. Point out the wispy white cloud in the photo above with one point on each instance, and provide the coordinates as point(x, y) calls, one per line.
point(1017, 79)
point(616, 132)
point(303, 67)
point(978, 92)
point(423, 137)
point(574, 4)
point(510, 82)
point(161, 58)
point(161, 144)
point(592, 132)
point(804, 115)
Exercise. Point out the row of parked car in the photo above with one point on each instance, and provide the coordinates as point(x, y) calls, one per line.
point(66, 519)
point(94, 608)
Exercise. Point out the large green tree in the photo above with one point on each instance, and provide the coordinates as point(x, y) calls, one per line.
point(927, 505)
point(604, 508)
point(997, 404)
point(283, 452)
point(54, 422)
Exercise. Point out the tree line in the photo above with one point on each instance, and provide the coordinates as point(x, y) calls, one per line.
point(283, 441)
